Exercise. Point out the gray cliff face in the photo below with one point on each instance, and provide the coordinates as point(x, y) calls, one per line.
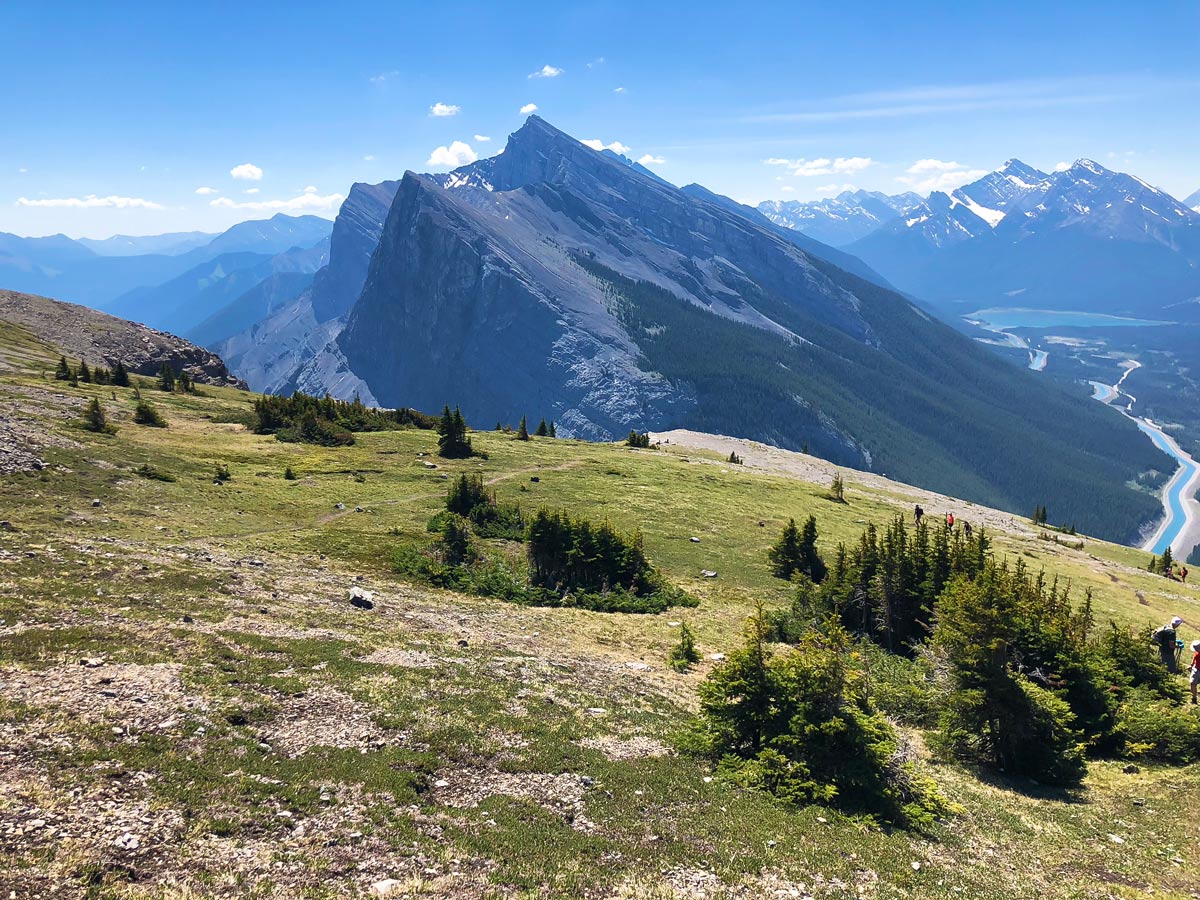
point(455, 310)
point(355, 235)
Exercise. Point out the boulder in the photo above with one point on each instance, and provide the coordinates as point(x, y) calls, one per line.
point(361, 599)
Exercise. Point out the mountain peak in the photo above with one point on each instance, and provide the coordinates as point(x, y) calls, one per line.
point(1088, 165)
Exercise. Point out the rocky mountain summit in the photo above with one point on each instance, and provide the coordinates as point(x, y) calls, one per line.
point(101, 339)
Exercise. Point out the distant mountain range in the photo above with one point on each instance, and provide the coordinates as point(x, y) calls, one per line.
point(81, 272)
point(1081, 238)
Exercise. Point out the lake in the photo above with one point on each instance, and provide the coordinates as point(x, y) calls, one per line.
point(1000, 318)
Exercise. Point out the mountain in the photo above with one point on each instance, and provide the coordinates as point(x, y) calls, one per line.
point(68, 269)
point(355, 234)
point(274, 292)
point(554, 280)
point(182, 303)
point(166, 244)
point(271, 353)
point(1082, 238)
point(100, 339)
point(1193, 201)
point(842, 219)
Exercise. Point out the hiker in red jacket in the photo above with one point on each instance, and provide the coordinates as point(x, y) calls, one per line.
point(950, 520)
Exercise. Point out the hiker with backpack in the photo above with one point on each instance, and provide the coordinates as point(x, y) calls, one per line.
point(918, 514)
point(1194, 672)
point(1165, 640)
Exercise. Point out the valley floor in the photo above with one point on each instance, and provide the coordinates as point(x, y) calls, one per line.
point(190, 707)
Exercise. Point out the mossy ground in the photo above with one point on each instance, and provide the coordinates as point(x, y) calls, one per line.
point(276, 742)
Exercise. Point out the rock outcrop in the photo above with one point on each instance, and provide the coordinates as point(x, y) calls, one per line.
point(101, 339)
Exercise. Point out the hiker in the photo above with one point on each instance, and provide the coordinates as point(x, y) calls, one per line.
point(1183, 574)
point(949, 520)
point(1165, 639)
point(967, 529)
point(1194, 674)
point(918, 513)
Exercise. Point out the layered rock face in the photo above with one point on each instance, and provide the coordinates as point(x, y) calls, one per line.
point(355, 236)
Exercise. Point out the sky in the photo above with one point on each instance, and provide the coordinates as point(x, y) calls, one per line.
point(145, 118)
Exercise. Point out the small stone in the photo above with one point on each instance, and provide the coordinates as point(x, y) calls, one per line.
point(337, 506)
point(358, 577)
point(1116, 839)
point(361, 599)
point(707, 779)
point(822, 820)
point(36, 823)
point(358, 509)
point(6, 525)
point(596, 711)
point(187, 620)
point(718, 657)
point(118, 730)
point(92, 662)
point(441, 783)
point(586, 780)
point(916, 867)
point(389, 887)
point(694, 539)
point(462, 642)
point(96, 504)
point(127, 841)
point(1131, 769)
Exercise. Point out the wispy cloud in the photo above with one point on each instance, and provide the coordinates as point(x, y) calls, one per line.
point(807, 168)
point(22, 170)
point(1062, 166)
point(251, 190)
point(948, 99)
point(309, 201)
point(247, 172)
point(598, 61)
point(927, 175)
point(546, 71)
point(529, 108)
point(619, 90)
point(597, 144)
point(384, 76)
point(442, 110)
point(205, 191)
point(91, 201)
point(370, 157)
point(651, 160)
point(482, 138)
point(453, 156)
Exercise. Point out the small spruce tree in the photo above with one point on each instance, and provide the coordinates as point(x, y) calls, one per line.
point(166, 378)
point(145, 414)
point(74, 379)
point(684, 654)
point(542, 430)
point(63, 372)
point(837, 490)
point(553, 430)
point(120, 375)
point(185, 382)
point(522, 431)
point(95, 420)
point(288, 474)
point(85, 374)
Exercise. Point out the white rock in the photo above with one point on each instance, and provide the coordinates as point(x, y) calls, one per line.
point(441, 782)
point(389, 887)
point(1115, 839)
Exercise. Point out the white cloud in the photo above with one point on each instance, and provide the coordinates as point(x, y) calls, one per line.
point(807, 168)
point(528, 108)
point(1061, 166)
point(91, 201)
point(651, 160)
point(384, 76)
point(927, 175)
point(370, 157)
point(598, 61)
point(442, 110)
point(250, 191)
point(310, 189)
point(619, 90)
point(457, 154)
point(310, 202)
point(597, 144)
point(247, 172)
point(482, 137)
point(546, 71)
point(205, 191)
point(22, 170)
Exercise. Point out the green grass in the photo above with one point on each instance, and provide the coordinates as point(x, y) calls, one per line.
point(518, 700)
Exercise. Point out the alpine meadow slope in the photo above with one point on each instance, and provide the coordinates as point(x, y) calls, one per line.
point(553, 280)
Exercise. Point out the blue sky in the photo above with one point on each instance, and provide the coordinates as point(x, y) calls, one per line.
point(114, 118)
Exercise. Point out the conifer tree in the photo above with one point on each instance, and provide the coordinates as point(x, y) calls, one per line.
point(166, 378)
point(553, 430)
point(453, 442)
point(63, 372)
point(684, 654)
point(185, 382)
point(145, 414)
point(837, 490)
point(542, 430)
point(522, 431)
point(95, 420)
point(120, 375)
point(85, 374)
point(796, 553)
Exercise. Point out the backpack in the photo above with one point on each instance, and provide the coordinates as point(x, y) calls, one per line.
point(1166, 637)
